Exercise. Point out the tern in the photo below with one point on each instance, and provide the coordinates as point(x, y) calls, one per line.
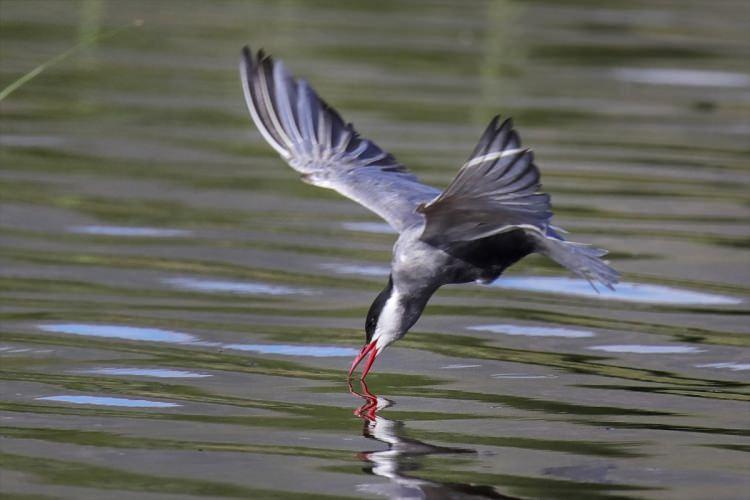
point(489, 217)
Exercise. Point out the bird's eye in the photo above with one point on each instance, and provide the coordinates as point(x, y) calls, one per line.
point(370, 324)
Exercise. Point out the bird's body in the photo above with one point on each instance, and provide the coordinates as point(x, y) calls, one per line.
point(418, 269)
point(489, 217)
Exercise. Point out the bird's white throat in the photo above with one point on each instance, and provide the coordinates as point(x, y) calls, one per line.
point(389, 328)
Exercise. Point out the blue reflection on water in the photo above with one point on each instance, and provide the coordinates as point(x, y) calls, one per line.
point(647, 349)
point(533, 331)
point(295, 350)
point(148, 232)
point(119, 332)
point(360, 270)
point(627, 292)
point(158, 335)
point(107, 401)
point(148, 372)
point(239, 287)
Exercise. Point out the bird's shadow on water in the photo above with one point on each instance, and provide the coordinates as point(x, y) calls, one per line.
point(404, 457)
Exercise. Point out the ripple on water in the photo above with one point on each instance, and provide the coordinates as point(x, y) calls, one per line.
point(683, 77)
point(369, 227)
point(148, 372)
point(146, 232)
point(119, 332)
point(107, 401)
point(26, 141)
point(296, 350)
point(734, 366)
point(532, 331)
point(626, 292)
point(647, 349)
point(238, 287)
point(14, 350)
point(522, 376)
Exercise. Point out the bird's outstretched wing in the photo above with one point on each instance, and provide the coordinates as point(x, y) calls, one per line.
point(496, 188)
point(314, 139)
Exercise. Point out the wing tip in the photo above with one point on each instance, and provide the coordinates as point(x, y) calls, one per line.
point(249, 59)
point(507, 123)
point(252, 59)
point(494, 121)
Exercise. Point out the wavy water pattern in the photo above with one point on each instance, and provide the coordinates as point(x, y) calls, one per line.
point(178, 310)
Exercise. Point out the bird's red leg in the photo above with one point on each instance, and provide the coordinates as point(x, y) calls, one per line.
point(366, 349)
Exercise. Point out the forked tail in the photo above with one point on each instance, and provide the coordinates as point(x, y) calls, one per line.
point(583, 260)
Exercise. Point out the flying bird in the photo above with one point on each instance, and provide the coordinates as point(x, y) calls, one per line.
point(489, 217)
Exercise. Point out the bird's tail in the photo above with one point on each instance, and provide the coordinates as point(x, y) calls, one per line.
point(583, 260)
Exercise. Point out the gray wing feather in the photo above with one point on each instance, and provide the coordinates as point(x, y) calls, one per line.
point(496, 188)
point(314, 139)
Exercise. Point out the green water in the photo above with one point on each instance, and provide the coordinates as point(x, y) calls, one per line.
point(179, 310)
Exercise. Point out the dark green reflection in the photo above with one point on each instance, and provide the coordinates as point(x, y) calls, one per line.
point(72, 473)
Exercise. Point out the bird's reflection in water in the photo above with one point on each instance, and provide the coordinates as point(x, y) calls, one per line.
point(403, 456)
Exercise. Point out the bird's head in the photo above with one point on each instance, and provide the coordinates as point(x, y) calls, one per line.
point(390, 316)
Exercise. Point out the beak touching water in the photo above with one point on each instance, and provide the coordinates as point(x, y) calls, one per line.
point(366, 349)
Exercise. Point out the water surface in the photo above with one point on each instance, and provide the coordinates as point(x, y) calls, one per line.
point(150, 238)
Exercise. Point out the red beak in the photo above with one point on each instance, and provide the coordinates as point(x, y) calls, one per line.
point(366, 349)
